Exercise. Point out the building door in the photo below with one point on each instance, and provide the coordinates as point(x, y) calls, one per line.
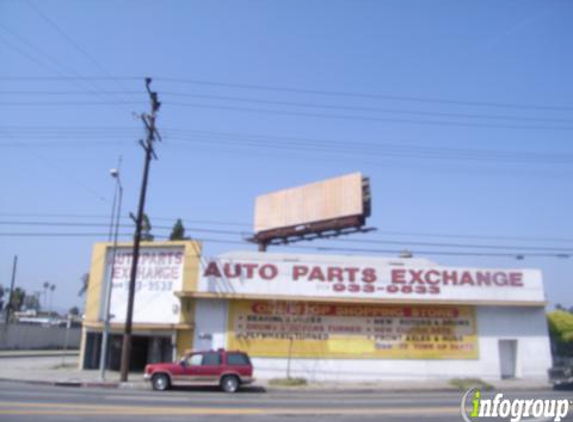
point(507, 358)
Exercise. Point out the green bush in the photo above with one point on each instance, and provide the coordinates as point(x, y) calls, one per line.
point(561, 325)
point(464, 384)
point(288, 382)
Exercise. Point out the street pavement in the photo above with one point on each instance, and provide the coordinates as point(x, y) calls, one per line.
point(28, 402)
point(63, 369)
point(40, 387)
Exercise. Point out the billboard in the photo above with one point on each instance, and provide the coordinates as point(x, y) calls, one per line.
point(159, 275)
point(332, 199)
point(318, 330)
point(350, 278)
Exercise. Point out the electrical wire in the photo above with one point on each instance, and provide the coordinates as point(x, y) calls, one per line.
point(284, 103)
point(404, 243)
point(75, 44)
point(104, 218)
point(517, 255)
point(306, 91)
point(367, 119)
point(58, 67)
point(275, 142)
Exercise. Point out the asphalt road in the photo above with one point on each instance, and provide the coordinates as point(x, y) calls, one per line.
point(26, 402)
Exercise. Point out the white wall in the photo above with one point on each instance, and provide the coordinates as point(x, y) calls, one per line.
point(27, 336)
point(527, 325)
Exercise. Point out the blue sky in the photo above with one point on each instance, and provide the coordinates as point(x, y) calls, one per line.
point(459, 111)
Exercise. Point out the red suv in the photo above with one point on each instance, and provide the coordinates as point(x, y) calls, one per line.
point(227, 369)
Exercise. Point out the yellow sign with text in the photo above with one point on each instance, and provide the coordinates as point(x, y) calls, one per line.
point(318, 330)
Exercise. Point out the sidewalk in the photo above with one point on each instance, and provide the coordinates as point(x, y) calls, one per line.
point(37, 353)
point(53, 369)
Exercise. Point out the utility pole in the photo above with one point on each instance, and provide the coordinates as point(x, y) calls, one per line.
point(9, 305)
point(149, 122)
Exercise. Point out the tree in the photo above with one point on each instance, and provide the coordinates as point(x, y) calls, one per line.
point(17, 299)
point(1, 298)
point(32, 302)
point(146, 235)
point(75, 311)
point(561, 332)
point(85, 280)
point(178, 231)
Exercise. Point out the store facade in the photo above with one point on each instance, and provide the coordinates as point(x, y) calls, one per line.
point(162, 322)
point(327, 317)
point(358, 318)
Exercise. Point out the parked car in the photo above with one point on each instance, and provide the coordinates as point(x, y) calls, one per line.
point(226, 369)
point(561, 374)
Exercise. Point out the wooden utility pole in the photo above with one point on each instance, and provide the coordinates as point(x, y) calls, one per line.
point(149, 122)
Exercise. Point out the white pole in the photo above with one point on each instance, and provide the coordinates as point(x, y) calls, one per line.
point(109, 284)
point(66, 338)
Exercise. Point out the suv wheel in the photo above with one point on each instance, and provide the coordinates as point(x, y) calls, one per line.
point(160, 382)
point(230, 383)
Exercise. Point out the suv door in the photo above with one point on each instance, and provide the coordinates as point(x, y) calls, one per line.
point(211, 367)
point(191, 370)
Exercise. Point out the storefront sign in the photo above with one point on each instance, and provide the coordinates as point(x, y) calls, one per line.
point(352, 280)
point(160, 273)
point(318, 330)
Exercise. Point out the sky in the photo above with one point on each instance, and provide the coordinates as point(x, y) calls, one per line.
point(460, 112)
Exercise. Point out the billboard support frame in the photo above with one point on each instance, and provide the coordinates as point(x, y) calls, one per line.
point(331, 208)
point(311, 231)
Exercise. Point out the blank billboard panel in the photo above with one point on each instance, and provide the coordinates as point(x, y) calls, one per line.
point(320, 201)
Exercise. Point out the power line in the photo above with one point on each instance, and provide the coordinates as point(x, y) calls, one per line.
point(370, 109)
point(246, 224)
point(73, 42)
point(388, 150)
point(75, 224)
point(246, 140)
point(62, 172)
point(300, 143)
point(517, 254)
point(369, 119)
point(456, 245)
point(66, 103)
point(422, 99)
point(55, 63)
point(448, 253)
point(105, 217)
point(62, 93)
point(405, 243)
point(280, 103)
point(364, 95)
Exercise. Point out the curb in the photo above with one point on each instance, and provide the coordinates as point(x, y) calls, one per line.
point(370, 390)
point(268, 389)
point(77, 384)
point(357, 390)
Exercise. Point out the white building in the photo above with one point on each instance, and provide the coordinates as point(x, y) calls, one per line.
point(326, 317)
point(360, 318)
